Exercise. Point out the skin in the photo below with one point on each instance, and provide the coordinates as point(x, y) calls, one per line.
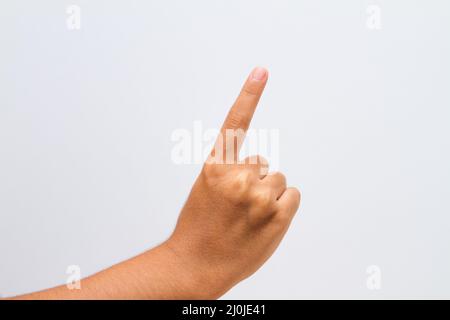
point(232, 222)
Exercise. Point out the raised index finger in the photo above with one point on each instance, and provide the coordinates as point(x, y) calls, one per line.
point(232, 134)
point(241, 113)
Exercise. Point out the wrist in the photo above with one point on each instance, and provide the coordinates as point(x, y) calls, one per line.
point(191, 278)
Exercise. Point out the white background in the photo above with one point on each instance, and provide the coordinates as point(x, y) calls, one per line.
point(86, 117)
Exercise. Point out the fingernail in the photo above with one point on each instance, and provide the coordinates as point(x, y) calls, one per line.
point(259, 73)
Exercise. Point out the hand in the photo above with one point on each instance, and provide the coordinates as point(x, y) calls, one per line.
point(233, 220)
point(236, 214)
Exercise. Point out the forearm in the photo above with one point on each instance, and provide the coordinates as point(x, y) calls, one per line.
point(159, 273)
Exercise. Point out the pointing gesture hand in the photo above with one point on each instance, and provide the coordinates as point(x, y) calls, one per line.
point(236, 213)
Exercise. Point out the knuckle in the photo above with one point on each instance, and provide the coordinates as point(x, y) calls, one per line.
point(250, 160)
point(290, 206)
point(209, 170)
point(262, 161)
point(258, 161)
point(237, 120)
point(241, 183)
point(262, 198)
point(280, 177)
point(296, 197)
point(250, 91)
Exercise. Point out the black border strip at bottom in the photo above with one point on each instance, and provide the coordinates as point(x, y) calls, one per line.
point(226, 309)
